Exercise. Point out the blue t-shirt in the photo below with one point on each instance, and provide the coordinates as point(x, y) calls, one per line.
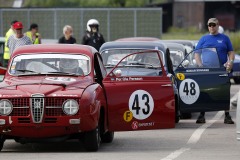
point(220, 41)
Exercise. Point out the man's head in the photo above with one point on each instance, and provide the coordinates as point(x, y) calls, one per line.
point(34, 28)
point(213, 25)
point(18, 26)
point(69, 65)
point(13, 23)
point(93, 25)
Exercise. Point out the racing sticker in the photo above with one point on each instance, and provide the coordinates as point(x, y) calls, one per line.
point(180, 76)
point(141, 104)
point(135, 125)
point(127, 116)
point(189, 91)
point(61, 79)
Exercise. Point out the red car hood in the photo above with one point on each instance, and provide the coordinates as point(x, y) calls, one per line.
point(49, 86)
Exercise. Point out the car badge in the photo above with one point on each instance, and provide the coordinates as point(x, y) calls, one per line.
point(37, 104)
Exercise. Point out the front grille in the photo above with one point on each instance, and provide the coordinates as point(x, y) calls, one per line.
point(37, 107)
point(41, 109)
point(20, 107)
point(50, 120)
point(23, 120)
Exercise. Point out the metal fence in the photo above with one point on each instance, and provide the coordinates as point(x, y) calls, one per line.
point(114, 22)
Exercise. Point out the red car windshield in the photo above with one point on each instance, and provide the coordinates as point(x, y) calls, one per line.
point(72, 64)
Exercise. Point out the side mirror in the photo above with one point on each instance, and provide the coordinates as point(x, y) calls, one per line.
point(118, 73)
point(185, 63)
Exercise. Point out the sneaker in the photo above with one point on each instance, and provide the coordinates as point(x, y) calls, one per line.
point(228, 120)
point(201, 119)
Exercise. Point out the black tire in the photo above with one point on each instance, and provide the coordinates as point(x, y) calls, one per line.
point(107, 137)
point(237, 80)
point(186, 115)
point(92, 140)
point(177, 114)
point(1, 142)
point(177, 118)
point(1, 146)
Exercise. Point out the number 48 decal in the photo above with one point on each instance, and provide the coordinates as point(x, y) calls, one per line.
point(189, 91)
point(141, 104)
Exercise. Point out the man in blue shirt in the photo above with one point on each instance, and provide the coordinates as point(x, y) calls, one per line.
point(225, 52)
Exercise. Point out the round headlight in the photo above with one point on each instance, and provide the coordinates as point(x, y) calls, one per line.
point(70, 107)
point(5, 107)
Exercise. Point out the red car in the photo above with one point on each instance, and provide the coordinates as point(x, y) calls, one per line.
point(56, 92)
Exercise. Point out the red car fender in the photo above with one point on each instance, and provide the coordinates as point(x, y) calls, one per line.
point(90, 106)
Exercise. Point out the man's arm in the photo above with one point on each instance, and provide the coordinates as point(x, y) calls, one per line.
point(198, 59)
point(231, 57)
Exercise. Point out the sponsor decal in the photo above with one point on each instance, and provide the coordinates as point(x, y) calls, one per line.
point(64, 95)
point(180, 76)
point(9, 95)
point(129, 79)
point(61, 79)
point(197, 70)
point(127, 116)
point(189, 91)
point(137, 125)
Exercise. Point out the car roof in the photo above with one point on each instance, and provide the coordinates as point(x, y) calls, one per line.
point(138, 39)
point(55, 48)
point(175, 46)
point(134, 45)
point(184, 42)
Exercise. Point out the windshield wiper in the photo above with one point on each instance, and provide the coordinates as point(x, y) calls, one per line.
point(25, 70)
point(148, 65)
point(109, 65)
point(64, 73)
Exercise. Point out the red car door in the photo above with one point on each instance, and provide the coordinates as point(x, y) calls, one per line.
point(139, 94)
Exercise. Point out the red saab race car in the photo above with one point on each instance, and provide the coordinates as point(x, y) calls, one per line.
point(60, 91)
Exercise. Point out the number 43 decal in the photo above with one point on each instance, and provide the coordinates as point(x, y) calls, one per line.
point(141, 104)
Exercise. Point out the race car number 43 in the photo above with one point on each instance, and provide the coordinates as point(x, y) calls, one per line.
point(189, 91)
point(141, 104)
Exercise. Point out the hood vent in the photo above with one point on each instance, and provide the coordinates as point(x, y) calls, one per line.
point(37, 107)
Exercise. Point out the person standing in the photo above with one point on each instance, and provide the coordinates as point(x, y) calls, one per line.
point(33, 34)
point(92, 36)
point(67, 36)
point(6, 54)
point(18, 39)
point(225, 53)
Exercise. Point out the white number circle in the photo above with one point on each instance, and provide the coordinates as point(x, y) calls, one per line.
point(189, 91)
point(141, 104)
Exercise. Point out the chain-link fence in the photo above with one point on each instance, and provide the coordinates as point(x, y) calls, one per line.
point(114, 22)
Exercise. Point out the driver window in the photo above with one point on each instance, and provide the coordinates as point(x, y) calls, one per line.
point(139, 64)
point(203, 58)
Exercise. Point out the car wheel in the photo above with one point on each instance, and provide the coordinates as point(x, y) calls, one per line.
point(186, 115)
point(177, 119)
point(237, 80)
point(107, 137)
point(1, 142)
point(92, 140)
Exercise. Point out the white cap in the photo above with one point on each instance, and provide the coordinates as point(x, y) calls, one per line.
point(220, 29)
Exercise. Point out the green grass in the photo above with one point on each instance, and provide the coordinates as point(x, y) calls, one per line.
point(6, 3)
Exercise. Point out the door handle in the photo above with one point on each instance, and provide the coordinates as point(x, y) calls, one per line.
point(167, 85)
point(223, 75)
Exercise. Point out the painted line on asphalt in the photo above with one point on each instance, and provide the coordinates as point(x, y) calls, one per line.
point(194, 137)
